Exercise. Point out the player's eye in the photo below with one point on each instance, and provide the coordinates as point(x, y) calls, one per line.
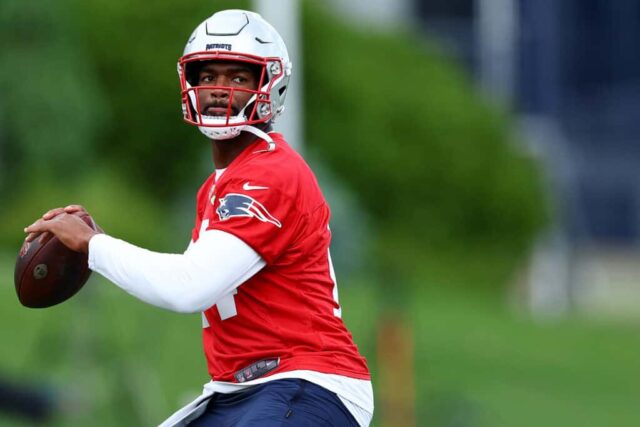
point(239, 79)
point(207, 78)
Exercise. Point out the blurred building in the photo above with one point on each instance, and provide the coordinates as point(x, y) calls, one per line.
point(570, 71)
point(379, 13)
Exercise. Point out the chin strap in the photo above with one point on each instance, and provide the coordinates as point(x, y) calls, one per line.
point(261, 134)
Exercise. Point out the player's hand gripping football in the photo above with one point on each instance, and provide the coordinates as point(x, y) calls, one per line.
point(65, 223)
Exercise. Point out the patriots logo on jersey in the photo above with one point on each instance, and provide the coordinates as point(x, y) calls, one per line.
point(240, 205)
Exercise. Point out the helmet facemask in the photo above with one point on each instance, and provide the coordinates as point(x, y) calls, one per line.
point(258, 109)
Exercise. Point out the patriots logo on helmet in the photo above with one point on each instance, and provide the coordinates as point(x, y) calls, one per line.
point(240, 205)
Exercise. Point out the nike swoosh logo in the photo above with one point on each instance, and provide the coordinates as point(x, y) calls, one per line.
point(248, 187)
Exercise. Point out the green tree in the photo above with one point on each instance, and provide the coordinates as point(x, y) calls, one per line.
point(434, 165)
point(52, 105)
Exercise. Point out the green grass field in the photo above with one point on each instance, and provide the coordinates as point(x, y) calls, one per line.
point(487, 367)
point(111, 360)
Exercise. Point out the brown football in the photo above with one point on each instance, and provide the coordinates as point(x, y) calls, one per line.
point(50, 273)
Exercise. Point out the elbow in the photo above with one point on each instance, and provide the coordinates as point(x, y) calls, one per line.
point(184, 305)
point(185, 294)
point(189, 300)
point(191, 291)
point(184, 309)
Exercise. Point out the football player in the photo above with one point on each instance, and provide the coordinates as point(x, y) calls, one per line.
point(258, 266)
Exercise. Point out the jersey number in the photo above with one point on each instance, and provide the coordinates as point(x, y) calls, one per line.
point(336, 311)
point(227, 305)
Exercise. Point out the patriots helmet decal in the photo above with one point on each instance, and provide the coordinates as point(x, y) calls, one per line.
point(234, 204)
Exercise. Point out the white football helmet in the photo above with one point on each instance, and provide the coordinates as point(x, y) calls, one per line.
point(240, 36)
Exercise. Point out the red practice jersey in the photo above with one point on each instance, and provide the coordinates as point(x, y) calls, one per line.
point(288, 310)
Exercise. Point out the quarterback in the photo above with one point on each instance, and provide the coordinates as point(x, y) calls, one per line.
point(258, 266)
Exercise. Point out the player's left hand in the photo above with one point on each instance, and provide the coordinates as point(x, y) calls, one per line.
point(72, 231)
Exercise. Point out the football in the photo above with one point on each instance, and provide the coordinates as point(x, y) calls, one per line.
point(49, 273)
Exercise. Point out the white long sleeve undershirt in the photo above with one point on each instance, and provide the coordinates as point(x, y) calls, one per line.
point(192, 282)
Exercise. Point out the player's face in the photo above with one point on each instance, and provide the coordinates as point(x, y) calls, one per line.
point(225, 74)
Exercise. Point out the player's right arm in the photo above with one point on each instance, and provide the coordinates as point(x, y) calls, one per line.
point(211, 268)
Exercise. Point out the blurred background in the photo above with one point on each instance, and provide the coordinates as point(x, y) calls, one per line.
point(480, 158)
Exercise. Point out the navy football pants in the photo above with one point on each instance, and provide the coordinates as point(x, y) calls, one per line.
point(287, 402)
